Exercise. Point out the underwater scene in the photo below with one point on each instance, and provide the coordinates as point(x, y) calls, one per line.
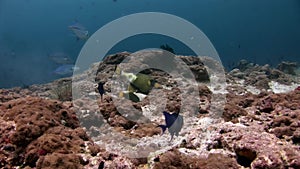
point(138, 84)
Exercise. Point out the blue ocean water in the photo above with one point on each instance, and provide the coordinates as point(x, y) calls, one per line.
point(262, 31)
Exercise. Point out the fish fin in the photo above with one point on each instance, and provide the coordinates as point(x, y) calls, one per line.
point(157, 86)
point(163, 127)
point(131, 88)
point(72, 35)
point(171, 138)
point(133, 97)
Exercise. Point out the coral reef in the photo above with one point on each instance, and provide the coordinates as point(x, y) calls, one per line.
point(261, 76)
point(252, 122)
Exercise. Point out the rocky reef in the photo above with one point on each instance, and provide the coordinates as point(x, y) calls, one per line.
point(249, 119)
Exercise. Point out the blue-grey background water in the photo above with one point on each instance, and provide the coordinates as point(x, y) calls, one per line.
point(261, 31)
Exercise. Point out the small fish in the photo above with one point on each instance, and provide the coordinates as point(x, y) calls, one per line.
point(65, 70)
point(60, 58)
point(101, 89)
point(79, 31)
point(140, 83)
point(174, 123)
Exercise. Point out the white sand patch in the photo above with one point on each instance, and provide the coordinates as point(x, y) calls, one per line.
point(281, 88)
point(252, 89)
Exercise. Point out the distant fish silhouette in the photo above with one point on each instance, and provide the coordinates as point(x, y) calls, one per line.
point(101, 89)
point(65, 70)
point(174, 123)
point(79, 31)
point(167, 48)
point(60, 58)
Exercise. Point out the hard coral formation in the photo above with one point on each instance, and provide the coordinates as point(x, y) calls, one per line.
point(256, 148)
point(267, 136)
point(175, 159)
point(42, 133)
point(260, 76)
point(32, 128)
point(256, 129)
point(288, 67)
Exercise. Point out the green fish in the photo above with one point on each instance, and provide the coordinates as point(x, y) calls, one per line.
point(140, 83)
point(174, 123)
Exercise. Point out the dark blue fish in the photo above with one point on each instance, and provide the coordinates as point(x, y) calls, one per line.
point(174, 123)
point(101, 89)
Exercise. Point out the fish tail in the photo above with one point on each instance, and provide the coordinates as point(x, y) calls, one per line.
point(171, 138)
